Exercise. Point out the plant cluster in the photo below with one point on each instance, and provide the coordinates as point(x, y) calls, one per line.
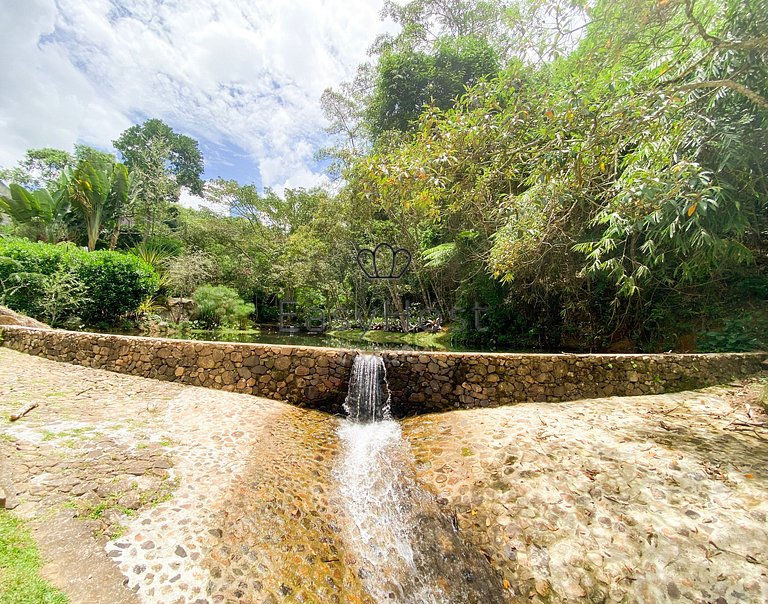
point(221, 306)
point(57, 282)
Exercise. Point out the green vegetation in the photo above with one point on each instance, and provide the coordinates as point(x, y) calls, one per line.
point(221, 306)
point(568, 175)
point(436, 341)
point(62, 280)
point(20, 582)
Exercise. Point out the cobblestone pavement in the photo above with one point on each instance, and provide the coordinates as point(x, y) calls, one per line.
point(644, 499)
point(204, 496)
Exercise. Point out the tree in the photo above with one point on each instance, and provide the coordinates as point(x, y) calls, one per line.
point(153, 189)
point(181, 156)
point(425, 21)
point(189, 271)
point(98, 194)
point(220, 306)
point(344, 109)
point(40, 168)
point(409, 80)
point(599, 184)
point(98, 159)
point(40, 214)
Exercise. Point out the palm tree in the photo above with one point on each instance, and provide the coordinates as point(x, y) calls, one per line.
point(41, 212)
point(98, 194)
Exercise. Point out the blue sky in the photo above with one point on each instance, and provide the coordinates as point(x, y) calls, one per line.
point(243, 77)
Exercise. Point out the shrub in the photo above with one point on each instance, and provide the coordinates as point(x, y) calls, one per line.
point(736, 334)
point(220, 306)
point(114, 284)
point(27, 263)
point(117, 284)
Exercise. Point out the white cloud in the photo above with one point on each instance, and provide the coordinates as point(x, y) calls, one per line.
point(189, 200)
point(232, 73)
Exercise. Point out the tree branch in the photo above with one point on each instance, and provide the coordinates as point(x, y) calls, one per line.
point(753, 96)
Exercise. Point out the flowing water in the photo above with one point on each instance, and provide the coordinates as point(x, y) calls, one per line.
point(407, 550)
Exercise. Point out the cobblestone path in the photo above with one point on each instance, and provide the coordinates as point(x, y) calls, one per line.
point(148, 491)
point(644, 499)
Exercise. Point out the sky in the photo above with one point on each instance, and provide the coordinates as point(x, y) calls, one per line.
point(243, 77)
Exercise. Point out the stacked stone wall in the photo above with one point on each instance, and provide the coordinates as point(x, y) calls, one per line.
point(435, 381)
point(420, 382)
point(306, 376)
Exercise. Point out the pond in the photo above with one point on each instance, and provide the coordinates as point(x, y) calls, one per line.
point(289, 339)
point(370, 341)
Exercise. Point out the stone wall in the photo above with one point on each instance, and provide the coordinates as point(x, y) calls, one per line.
point(312, 377)
point(420, 382)
point(423, 382)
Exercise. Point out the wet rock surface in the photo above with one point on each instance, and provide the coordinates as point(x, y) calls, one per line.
point(197, 496)
point(643, 499)
point(282, 522)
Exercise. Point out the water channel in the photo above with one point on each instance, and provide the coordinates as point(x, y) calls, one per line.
point(409, 551)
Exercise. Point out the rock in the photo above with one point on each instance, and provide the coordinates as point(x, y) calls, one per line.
point(283, 363)
point(11, 317)
point(130, 500)
point(419, 382)
point(83, 488)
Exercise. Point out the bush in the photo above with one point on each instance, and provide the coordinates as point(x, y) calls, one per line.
point(742, 333)
point(117, 284)
point(114, 284)
point(220, 306)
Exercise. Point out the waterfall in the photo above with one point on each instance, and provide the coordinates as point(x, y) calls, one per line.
point(368, 395)
point(405, 548)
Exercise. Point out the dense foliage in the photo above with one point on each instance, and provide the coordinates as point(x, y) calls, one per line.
point(54, 282)
point(567, 175)
point(220, 306)
point(614, 193)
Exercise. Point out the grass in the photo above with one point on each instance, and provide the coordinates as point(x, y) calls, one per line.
point(72, 436)
point(437, 341)
point(20, 563)
point(118, 531)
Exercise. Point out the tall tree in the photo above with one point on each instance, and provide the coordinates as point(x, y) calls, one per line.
point(39, 169)
point(630, 171)
point(152, 189)
point(182, 157)
point(408, 80)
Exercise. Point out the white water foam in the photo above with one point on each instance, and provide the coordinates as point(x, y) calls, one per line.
point(381, 498)
point(406, 549)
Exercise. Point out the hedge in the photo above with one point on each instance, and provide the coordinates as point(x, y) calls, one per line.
point(116, 283)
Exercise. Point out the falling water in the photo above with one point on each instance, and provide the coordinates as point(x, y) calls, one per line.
point(368, 394)
point(406, 550)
